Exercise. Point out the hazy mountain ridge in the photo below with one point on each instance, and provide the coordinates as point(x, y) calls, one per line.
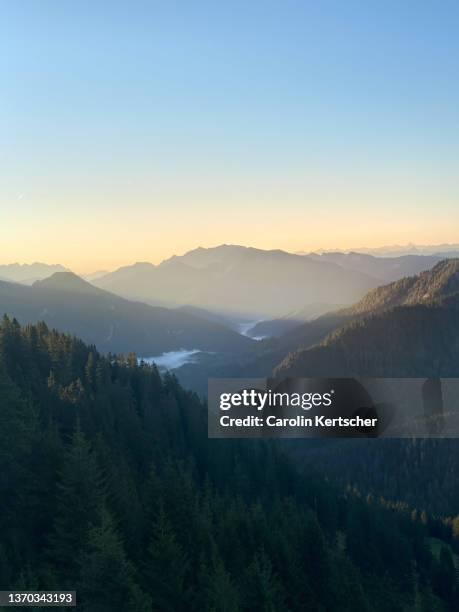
point(28, 273)
point(222, 257)
point(68, 303)
point(168, 285)
point(384, 268)
point(92, 276)
point(239, 281)
point(396, 250)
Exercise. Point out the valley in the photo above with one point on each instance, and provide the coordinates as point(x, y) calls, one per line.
point(408, 327)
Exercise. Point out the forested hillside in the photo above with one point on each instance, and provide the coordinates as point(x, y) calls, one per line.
point(440, 282)
point(406, 328)
point(420, 341)
point(409, 341)
point(420, 472)
point(109, 486)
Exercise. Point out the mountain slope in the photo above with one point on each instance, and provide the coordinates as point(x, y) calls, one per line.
point(239, 281)
point(384, 268)
point(439, 282)
point(67, 282)
point(68, 303)
point(119, 484)
point(275, 328)
point(407, 328)
point(407, 341)
point(436, 284)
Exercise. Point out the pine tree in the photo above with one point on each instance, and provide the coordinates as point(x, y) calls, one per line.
point(90, 370)
point(262, 591)
point(107, 577)
point(217, 591)
point(79, 503)
point(166, 568)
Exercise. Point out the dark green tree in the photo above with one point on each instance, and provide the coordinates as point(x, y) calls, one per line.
point(166, 568)
point(262, 591)
point(107, 577)
point(79, 504)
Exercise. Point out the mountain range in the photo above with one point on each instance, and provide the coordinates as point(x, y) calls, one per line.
point(274, 291)
point(385, 269)
point(68, 303)
point(28, 273)
point(243, 281)
point(396, 250)
point(407, 327)
point(239, 282)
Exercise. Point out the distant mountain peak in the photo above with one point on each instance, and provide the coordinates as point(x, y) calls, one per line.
point(143, 264)
point(202, 257)
point(66, 281)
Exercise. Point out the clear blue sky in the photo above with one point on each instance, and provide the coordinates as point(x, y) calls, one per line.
point(133, 130)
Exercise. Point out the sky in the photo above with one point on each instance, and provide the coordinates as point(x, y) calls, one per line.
point(130, 131)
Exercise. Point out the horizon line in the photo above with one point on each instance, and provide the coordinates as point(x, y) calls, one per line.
point(385, 250)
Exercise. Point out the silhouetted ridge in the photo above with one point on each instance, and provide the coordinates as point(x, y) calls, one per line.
point(67, 281)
